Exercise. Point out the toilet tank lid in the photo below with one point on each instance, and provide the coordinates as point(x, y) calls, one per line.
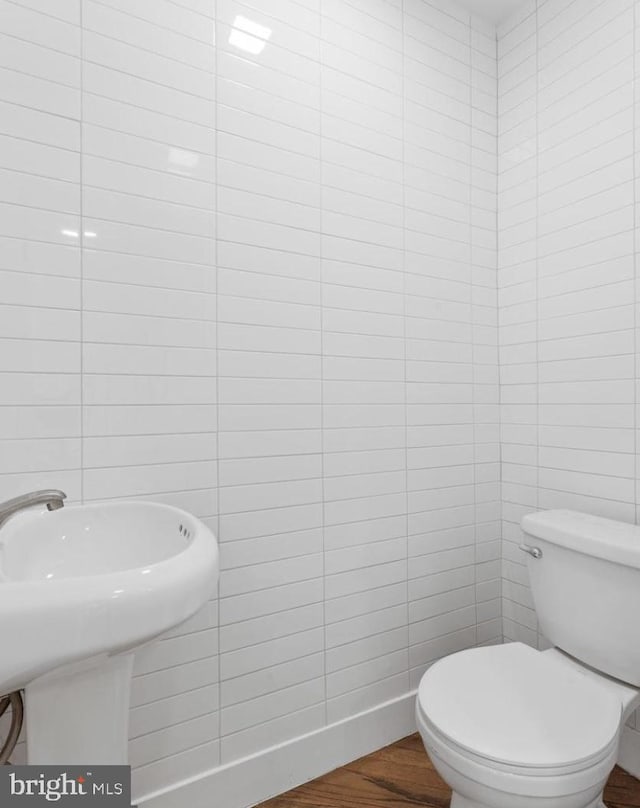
point(608, 539)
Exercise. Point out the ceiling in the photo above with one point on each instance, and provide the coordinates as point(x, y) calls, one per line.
point(495, 10)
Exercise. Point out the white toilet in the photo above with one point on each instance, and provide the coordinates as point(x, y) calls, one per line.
point(510, 727)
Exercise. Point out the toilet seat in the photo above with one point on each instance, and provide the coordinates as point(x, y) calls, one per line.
point(481, 762)
point(513, 709)
point(502, 786)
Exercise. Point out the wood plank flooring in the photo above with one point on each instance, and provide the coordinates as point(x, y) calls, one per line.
point(400, 776)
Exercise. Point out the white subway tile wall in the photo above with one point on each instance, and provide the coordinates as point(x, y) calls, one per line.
point(149, 343)
point(248, 262)
point(568, 173)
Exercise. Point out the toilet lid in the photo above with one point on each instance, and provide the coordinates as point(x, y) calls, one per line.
point(514, 705)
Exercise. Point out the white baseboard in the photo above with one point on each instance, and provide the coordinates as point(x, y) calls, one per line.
point(629, 755)
point(251, 780)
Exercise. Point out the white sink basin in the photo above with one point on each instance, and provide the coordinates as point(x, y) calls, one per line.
point(82, 587)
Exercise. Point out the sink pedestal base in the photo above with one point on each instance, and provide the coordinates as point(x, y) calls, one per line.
point(80, 714)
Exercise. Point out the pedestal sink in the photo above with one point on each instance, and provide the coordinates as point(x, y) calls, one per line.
point(80, 589)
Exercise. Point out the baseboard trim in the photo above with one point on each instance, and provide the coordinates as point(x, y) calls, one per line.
point(629, 754)
point(253, 779)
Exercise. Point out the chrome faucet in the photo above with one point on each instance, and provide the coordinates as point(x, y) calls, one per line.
point(53, 499)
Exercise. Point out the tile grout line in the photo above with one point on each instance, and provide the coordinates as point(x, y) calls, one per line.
point(404, 334)
point(498, 340)
point(634, 718)
point(82, 249)
point(321, 12)
point(537, 268)
point(217, 361)
point(473, 330)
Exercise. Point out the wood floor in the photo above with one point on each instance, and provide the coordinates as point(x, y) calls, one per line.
point(400, 776)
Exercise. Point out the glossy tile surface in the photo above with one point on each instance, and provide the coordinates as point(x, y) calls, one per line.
point(568, 275)
point(247, 254)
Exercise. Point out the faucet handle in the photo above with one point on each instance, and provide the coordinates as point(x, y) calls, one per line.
point(536, 552)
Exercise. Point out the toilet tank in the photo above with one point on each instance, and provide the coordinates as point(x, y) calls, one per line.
point(586, 588)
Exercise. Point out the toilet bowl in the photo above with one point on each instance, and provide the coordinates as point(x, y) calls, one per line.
point(508, 726)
